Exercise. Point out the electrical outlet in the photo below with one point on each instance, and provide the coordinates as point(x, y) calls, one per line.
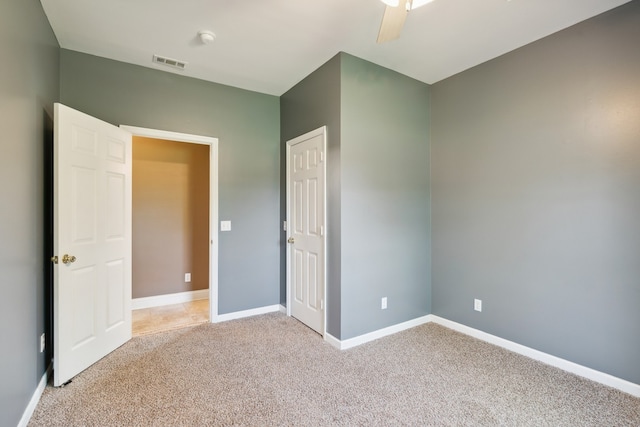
point(225, 225)
point(42, 343)
point(477, 304)
point(187, 277)
point(383, 303)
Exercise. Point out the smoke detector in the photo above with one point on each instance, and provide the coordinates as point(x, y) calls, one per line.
point(206, 36)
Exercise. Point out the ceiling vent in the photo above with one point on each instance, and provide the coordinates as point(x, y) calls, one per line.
point(173, 63)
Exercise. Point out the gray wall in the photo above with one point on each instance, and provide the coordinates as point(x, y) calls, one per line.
point(247, 125)
point(385, 197)
point(377, 190)
point(312, 103)
point(534, 180)
point(536, 197)
point(28, 89)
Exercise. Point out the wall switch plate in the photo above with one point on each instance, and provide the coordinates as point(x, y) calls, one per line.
point(383, 303)
point(225, 225)
point(42, 343)
point(477, 304)
point(187, 277)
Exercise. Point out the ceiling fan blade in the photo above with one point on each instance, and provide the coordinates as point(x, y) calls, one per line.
point(392, 23)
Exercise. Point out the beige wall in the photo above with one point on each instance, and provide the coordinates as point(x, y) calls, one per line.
point(170, 216)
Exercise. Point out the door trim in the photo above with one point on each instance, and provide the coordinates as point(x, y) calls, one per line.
point(321, 131)
point(213, 200)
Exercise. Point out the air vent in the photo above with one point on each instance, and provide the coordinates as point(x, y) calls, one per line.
point(173, 63)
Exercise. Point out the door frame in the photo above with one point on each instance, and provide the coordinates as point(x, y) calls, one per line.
point(213, 199)
point(321, 131)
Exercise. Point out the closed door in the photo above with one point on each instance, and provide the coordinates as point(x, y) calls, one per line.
point(92, 240)
point(306, 228)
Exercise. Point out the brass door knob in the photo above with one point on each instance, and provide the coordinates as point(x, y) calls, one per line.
point(291, 240)
point(68, 259)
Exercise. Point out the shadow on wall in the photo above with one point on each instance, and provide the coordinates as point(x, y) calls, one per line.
point(47, 230)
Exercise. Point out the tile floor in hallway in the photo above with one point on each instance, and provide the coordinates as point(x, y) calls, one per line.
point(157, 319)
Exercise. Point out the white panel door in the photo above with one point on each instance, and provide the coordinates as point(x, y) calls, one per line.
point(92, 240)
point(306, 200)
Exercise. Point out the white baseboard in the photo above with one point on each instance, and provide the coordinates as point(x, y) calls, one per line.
point(565, 365)
point(361, 339)
point(168, 299)
point(335, 342)
point(31, 407)
point(247, 313)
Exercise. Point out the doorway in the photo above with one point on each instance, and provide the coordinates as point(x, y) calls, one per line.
point(91, 257)
point(174, 230)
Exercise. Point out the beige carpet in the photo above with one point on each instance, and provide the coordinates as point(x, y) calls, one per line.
point(271, 370)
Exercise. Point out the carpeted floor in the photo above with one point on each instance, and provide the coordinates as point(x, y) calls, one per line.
point(271, 370)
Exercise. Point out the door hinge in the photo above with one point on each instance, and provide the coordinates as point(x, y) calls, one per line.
point(54, 259)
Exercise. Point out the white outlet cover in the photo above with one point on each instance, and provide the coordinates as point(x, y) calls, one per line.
point(383, 303)
point(225, 225)
point(477, 305)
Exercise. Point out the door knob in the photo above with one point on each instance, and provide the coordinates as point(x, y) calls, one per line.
point(291, 240)
point(68, 259)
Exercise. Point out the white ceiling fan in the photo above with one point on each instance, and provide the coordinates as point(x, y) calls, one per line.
point(394, 17)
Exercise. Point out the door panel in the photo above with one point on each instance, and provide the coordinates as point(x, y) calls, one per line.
point(115, 287)
point(83, 205)
point(306, 224)
point(312, 281)
point(313, 227)
point(92, 224)
point(115, 218)
point(83, 326)
point(298, 212)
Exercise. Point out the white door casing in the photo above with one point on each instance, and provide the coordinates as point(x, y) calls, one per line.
point(213, 199)
point(92, 225)
point(306, 228)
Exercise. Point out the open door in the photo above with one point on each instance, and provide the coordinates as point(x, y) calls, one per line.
point(92, 241)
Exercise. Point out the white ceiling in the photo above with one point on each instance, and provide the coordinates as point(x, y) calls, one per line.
point(270, 45)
